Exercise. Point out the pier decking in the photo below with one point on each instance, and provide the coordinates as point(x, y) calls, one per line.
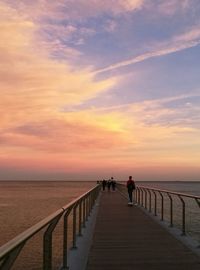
point(125, 238)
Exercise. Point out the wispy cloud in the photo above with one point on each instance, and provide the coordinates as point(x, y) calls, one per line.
point(79, 9)
point(161, 112)
point(31, 80)
point(187, 40)
point(171, 7)
point(38, 40)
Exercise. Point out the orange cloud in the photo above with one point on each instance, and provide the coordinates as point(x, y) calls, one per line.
point(32, 84)
point(37, 133)
point(63, 135)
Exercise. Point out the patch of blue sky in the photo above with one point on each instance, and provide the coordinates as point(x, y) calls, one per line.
point(133, 34)
point(162, 76)
point(104, 48)
point(153, 28)
point(188, 101)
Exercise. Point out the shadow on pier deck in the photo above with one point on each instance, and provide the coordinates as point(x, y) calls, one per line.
point(125, 238)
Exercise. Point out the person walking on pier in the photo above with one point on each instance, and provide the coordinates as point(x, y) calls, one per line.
point(109, 184)
point(113, 183)
point(130, 187)
point(104, 184)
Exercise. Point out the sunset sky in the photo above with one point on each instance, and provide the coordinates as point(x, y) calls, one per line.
point(97, 88)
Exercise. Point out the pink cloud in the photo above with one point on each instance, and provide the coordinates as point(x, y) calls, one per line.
point(78, 9)
point(33, 85)
point(171, 7)
point(61, 136)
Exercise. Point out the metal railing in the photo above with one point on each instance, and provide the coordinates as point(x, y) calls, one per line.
point(11, 250)
point(148, 198)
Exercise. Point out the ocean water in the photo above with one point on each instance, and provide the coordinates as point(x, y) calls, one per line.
point(192, 188)
point(23, 204)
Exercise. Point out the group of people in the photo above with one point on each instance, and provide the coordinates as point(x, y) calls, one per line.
point(111, 184)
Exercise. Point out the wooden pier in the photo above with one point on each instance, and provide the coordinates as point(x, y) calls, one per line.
point(125, 238)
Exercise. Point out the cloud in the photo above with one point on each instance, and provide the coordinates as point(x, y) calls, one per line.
point(177, 111)
point(160, 112)
point(32, 83)
point(171, 7)
point(113, 138)
point(79, 9)
point(36, 84)
point(110, 26)
point(55, 38)
point(155, 126)
point(187, 40)
point(74, 132)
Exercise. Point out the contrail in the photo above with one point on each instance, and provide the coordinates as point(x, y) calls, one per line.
point(148, 55)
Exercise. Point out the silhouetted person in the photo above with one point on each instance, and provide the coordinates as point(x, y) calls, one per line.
point(103, 184)
point(113, 183)
point(130, 187)
point(109, 184)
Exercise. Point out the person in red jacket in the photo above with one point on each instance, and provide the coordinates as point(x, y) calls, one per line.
point(130, 187)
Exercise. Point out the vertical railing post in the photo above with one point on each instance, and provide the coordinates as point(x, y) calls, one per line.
point(198, 202)
point(149, 199)
point(139, 196)
point(47, 244)
point(145, 192)
point(84, 206)
point(10, 259)
point(65, 239)
point(162, 206)
point(155, 203)
point(142, 197)
point(74, 227)
point(171, 210)
point(90, 204)
point(87, 207)
point(183, 215)
point(136, 194)
point(88, 210)
point(93, 199)
point(80, 217)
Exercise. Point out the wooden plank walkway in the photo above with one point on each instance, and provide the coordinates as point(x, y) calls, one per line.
point(125, 238)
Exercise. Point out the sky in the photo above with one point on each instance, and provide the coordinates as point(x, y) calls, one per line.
point(100, 88)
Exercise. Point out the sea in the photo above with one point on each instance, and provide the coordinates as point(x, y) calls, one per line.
point(24, 203)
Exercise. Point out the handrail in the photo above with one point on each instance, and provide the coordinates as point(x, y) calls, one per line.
point(27, 234)
point(10, 250)
point(172, 192)
point(143, 192)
